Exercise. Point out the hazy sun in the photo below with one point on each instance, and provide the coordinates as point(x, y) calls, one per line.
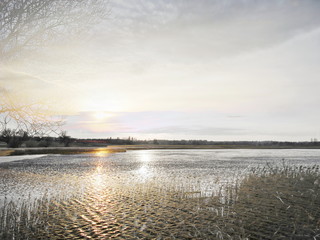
point(100, 115)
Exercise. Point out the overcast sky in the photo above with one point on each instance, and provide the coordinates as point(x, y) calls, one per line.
point(201, 69)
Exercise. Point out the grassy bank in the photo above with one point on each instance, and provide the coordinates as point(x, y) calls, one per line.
point(229, 146)
point(62, 150)
point(123, 148)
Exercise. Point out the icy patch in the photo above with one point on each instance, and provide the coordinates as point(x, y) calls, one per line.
point(5, 159)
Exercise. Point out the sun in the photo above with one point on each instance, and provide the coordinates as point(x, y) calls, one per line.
point(100, 115)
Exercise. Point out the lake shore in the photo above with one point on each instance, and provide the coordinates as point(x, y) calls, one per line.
point(123, 148)
point(57, 150)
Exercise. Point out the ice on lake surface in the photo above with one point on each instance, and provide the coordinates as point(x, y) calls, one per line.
point(203, 169)
point(137, 187)
point(4, 159)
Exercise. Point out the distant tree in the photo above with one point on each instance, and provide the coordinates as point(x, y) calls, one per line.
point(65, 139)
point(13, 138)
point(46, 142)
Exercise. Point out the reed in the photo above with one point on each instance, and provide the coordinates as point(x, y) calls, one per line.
point(271, 202)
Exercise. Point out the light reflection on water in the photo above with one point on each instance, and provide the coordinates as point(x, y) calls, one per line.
point(97, 177)
point(144, 172)
point(109, 185)
point(102, 152)
point(201, 170)
point(145, 156)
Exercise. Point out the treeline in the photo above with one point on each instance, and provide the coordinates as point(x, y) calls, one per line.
point(134, 141)
point(236, 143)
point(15, 139)
point(22, 139)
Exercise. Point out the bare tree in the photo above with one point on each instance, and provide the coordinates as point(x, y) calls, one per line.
point(65, 139)
point(18, 121)
point(30, 24)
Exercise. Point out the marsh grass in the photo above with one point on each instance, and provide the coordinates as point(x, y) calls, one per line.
point(273, 202)
point(280, 202)
point(59, 150)
point(31, 151)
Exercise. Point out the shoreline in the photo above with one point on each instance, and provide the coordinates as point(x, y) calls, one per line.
point(124, 148)
point(56, 150)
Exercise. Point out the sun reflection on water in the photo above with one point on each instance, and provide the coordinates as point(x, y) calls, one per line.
point(145, 171)
point(98, 176)
point(145, 156)
point(98, 204)
point(101, 152)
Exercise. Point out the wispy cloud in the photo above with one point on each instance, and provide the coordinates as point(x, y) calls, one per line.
point(231, 68)
point(198, 131)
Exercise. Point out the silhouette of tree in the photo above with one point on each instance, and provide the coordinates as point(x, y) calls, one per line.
point(32, 119)
point(65, 139)
point(30, 24)
point(13, 138)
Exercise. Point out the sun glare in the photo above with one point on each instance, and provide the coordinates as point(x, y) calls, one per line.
point(100, 115)
point(145, 156)
point(101, 153)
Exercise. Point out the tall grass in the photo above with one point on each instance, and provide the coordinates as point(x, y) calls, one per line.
point(280, 202)
point(270, 203)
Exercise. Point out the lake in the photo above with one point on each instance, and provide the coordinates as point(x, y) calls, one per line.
point(139, 194)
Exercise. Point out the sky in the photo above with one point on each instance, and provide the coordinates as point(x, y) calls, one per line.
point(182, 69)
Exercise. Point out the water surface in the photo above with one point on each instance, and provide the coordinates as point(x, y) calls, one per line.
point(202, 169)
point(144, 193)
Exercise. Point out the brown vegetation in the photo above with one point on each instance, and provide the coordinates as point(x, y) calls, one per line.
point(271, 203)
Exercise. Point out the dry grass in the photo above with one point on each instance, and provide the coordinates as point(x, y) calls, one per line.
point(280, 202)
point(271, 203)
point(5, 152)
point(214, 146)
point(119, 148)
point(58, 150)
